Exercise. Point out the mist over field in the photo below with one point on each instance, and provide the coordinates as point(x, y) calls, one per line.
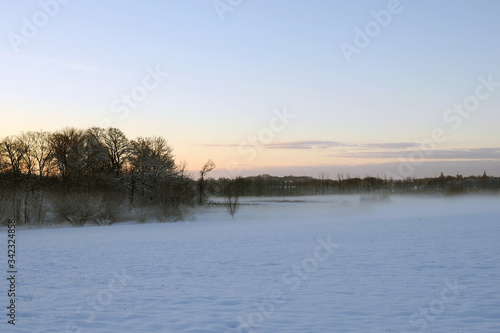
point(353, 263)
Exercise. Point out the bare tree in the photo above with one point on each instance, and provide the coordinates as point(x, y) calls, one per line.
point(42, 154)
point(67, 148)
point(152, 169)
point(231, 198)
point(340, 177)
point(209, 166)
point(12, 151)
point(41, 151)
point(151, 156)
point(117, 145)
point(26, 143)
point(94, 150)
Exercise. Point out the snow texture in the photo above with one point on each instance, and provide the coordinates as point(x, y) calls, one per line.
point(308, 264)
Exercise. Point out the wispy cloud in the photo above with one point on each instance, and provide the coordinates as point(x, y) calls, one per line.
point(322, 144)
point(219, 145)
point(390, 145)
point(310, 144)
point(450, 154)
point(389, 150)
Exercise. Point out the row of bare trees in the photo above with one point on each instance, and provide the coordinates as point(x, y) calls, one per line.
point(96, 175)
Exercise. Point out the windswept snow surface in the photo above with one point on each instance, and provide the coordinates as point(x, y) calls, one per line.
point(310, 264)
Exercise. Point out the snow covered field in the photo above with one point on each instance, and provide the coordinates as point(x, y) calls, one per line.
point(309, 264)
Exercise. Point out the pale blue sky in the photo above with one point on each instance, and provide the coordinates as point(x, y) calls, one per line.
point(226, 78)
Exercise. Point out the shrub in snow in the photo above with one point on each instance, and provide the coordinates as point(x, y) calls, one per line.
point(79, 208)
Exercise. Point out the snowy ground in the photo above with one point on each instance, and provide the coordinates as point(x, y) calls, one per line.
point(311, 264)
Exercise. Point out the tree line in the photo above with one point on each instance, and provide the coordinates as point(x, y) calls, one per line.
point(95, 176)
point(267, 185)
